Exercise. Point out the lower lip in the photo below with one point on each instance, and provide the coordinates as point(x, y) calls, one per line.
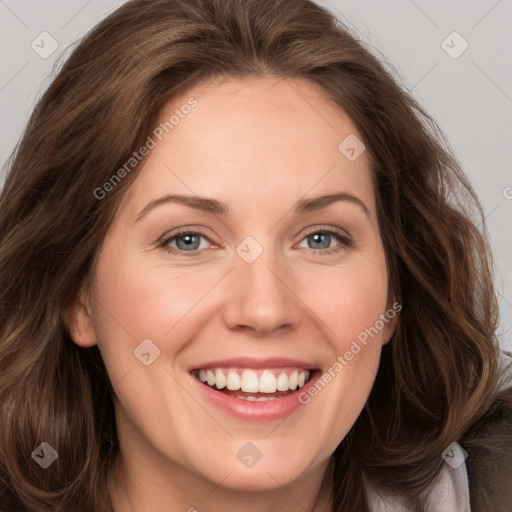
point(256, 411)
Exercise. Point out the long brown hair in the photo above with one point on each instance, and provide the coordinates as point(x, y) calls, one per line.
point(439, 376)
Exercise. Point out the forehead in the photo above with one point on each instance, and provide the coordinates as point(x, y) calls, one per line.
point(251, 139)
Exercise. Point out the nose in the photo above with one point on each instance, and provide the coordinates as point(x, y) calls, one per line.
point(261, 298)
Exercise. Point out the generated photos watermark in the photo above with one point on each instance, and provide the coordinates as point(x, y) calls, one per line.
point(343, 360)
point(151, 143)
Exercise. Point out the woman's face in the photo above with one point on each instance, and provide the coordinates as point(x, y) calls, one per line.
point(267, 282)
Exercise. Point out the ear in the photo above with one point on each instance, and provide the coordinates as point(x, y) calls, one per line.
point(391, 317)
point(79, 321)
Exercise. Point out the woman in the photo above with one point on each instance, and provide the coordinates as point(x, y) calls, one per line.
point(174, 338)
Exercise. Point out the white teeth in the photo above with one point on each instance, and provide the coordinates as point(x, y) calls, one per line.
point(249, 382)
point(283, 383)
point(220, 379)
point(233, 381)
point(267, 383)
point(294, 379)
point(257, 399)
point(210, 378)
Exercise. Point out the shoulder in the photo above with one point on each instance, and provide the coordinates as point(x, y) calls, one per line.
point(489, 460)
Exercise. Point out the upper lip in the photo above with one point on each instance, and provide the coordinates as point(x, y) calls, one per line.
point(249, 362)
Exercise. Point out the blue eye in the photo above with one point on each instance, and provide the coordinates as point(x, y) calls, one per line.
point(322, 239)
point(188, 242)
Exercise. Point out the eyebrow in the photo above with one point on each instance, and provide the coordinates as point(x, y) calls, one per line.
point(216, 207)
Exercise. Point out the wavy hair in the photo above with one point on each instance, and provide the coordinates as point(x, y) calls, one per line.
point(439, 377)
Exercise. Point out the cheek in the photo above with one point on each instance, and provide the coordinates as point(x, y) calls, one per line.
point(138, 301)
point(349, 300)
point(146, 301)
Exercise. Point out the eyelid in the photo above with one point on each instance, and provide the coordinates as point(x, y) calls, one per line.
point(342, 235)
point(326, 229)
point(345, 239)
point(168, 237)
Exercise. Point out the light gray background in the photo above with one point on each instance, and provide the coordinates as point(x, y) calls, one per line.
point(469, 96)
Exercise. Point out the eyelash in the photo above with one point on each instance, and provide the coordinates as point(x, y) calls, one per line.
point(345, 241)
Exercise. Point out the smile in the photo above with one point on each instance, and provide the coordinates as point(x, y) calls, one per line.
point(250, 389)
point(254, 384)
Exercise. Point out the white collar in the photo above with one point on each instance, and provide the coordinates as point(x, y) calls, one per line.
point(449, 493)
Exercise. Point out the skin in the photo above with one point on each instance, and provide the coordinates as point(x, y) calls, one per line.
point(259, 145)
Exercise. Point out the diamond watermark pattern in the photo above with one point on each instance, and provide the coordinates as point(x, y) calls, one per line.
point(454, 455)
point(146, 352)
point(44, 455)
point(249, 455)
point(249, 250)
point(351, 147)
point(44, 45)
point(454, 45)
